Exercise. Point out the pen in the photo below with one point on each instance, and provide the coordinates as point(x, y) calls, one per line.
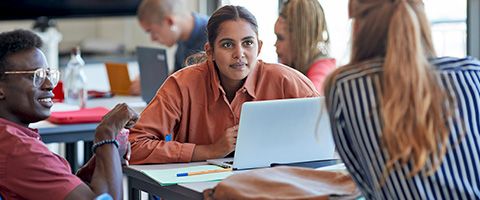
point(168, 137)
point(204, 172)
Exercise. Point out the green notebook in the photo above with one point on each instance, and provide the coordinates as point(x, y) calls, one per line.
point(169, 176)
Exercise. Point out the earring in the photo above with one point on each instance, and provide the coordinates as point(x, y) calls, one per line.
point(173, 28)
point(323, 47)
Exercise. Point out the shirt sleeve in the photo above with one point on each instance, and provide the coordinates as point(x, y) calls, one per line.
point(343, 138)
point(319, 71)
point(160, 117)
point(34, 172)
point(298, 86)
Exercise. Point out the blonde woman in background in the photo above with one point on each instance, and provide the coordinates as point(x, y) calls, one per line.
point(405, 122)
point(302, 39)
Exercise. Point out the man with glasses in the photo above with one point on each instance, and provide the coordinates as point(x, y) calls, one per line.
point(28, 170)
point(39, 75)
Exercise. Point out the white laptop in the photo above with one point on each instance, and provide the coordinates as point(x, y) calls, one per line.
point(153, 67)
point(281, 131)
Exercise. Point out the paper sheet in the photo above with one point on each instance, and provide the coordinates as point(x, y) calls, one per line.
point(169, 176)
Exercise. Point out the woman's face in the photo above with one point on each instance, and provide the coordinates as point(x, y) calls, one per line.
point(283, 42)
point(235, 50)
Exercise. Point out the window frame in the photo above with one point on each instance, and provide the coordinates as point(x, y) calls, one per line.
point(473, 28)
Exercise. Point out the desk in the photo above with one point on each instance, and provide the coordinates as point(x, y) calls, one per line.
point(72, 133)
point(137, 181)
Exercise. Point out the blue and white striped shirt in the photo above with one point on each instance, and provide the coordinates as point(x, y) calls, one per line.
point(357, 127)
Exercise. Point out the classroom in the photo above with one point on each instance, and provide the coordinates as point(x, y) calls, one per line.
point(239, 99)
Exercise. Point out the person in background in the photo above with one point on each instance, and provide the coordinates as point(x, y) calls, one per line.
point(405, 121)
point(303, 40)
point(169, 22)
point(195, 114)
point(28, 170)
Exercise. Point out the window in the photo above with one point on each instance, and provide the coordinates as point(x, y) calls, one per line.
point(447, 18)
point(339, 28)
point(449, 26)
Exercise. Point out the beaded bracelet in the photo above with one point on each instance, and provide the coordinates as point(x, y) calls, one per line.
point(98, 144)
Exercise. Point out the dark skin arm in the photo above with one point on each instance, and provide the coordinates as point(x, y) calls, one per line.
point(86, 171)
point(107, 173)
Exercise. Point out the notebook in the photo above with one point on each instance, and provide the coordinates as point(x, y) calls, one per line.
point(167, 177)
point(281, 131)
point(118, 78)
point(86, 115)
point(153, 70)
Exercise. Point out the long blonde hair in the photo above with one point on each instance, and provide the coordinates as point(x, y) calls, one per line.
point(309, 37)
point(413, 106)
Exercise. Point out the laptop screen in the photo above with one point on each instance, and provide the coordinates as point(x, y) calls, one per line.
point(153, 67)
point(283, 131)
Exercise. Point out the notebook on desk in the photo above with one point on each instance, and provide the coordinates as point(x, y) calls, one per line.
point(153, 66)
point(281, 131)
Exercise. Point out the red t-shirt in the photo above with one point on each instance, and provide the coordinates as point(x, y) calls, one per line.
point(319, 71)
point(28, 170)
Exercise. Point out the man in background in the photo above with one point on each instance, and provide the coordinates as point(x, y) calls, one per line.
point(170, 22)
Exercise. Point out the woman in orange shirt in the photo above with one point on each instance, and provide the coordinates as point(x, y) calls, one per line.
point(195, 114)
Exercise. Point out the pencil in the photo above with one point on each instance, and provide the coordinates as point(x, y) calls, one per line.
point(204, 172)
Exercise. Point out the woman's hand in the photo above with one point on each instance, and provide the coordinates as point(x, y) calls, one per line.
point(221, 148)
point(226, 144)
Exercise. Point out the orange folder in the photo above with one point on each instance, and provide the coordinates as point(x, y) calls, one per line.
point(118, 78)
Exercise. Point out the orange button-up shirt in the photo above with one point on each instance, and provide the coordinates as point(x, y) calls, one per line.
point(191, 106)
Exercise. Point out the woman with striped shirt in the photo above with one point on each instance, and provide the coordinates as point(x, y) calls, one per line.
point(406, 123)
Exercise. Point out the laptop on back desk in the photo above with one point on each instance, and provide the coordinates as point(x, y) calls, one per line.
point(153, 66)
point(281, 131)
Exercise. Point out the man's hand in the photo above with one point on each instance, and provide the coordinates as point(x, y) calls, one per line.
point(114, 121)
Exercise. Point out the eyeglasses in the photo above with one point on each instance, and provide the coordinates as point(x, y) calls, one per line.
point(40, 75)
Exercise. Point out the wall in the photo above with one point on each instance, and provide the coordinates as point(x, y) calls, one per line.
point(105, 31)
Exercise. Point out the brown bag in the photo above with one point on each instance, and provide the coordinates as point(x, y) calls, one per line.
point(285, 183)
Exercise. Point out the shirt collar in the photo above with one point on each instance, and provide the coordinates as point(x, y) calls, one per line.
point(249, 84)
point(28, 131)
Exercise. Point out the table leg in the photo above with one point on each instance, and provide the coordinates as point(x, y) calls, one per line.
point(87, 151)
point(71, 155)
point(133, 193)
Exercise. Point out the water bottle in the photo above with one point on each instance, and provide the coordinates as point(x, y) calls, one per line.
point(75, 80)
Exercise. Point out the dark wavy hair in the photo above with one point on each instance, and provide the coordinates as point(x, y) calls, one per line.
point(227, 13)
point(15, 41)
